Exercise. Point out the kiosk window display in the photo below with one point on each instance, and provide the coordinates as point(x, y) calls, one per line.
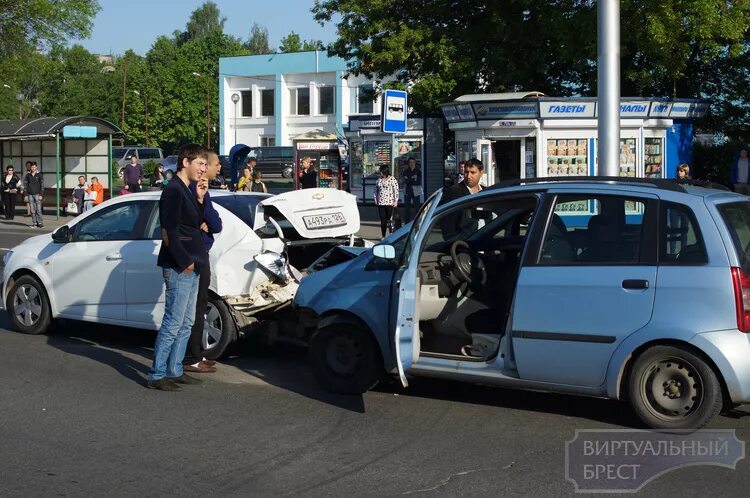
point(653, 157)
point(326, 161)
point(567, 157)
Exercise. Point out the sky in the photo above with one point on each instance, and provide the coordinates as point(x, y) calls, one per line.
point(135, 24)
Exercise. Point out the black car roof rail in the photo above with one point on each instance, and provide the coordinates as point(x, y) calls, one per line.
point(659, 183)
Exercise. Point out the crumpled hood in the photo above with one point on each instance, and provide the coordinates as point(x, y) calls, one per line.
point(314, 213)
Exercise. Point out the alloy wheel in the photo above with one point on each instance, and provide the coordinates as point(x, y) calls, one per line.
point(212, 328)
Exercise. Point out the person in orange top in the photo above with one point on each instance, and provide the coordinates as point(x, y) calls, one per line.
point(98, 188)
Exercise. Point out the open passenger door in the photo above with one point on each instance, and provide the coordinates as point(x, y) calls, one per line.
point(406, 339)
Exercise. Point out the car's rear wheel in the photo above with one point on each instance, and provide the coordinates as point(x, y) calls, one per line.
point(345, 359)
point(28, 306)
point(671, 388)
point(219, 329)
point(286, 172)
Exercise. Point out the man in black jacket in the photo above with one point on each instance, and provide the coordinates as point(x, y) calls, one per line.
point(33, 185)
point(182, 257)
point(411, 177)
point(456, 223)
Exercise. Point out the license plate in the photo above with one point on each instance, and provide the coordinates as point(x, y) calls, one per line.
point(329, 220)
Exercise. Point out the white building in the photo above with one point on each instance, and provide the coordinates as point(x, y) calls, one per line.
point(268, 99)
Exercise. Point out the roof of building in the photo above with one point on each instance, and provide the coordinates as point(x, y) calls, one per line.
point(499, 96)
point(49, 126)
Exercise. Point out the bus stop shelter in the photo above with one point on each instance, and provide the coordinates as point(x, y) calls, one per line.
point(64, 148)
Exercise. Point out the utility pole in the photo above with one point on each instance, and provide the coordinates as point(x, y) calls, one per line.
point(608, 74)
point(124, 84)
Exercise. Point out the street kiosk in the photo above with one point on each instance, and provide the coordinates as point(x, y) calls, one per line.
point(527, 134)
point(324, 151)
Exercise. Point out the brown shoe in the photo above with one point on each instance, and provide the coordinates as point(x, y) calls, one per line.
point(208, 363)
point(198, 369)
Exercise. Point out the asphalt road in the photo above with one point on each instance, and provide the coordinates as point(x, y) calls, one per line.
point(77, 420)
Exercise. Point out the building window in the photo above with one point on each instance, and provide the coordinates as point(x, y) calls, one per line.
point(267, 103)
point(326, 102)
point(247, 103)
point(299, 101)
point(365, 98)
point(267, 141)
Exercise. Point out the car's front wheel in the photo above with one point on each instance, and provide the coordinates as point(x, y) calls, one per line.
point(286, 172)
point(219, 329)
point(345, 359)
point(28, 306)
point(671, 388)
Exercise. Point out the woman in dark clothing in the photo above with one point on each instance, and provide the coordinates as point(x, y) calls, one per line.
point(9, 189)
point(257, 184)
point(308, 175)
point(158, 178)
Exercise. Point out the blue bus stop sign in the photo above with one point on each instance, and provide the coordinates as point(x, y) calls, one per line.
point(394, 111)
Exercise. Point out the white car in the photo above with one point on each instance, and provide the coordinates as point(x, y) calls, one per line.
point(101, 266)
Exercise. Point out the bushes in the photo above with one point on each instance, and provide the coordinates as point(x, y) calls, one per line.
point(714, 162)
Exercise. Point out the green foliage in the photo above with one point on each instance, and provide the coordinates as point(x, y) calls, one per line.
point(258, 43)
point(148, 168)
point(205, 21)
point(43, 23)
point(293, 43)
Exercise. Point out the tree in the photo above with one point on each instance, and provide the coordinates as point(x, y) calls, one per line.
point(204, 21)
point(257, 43)
point(309, 45)
point(43, 23)
point(291, 43)
point(452, 47)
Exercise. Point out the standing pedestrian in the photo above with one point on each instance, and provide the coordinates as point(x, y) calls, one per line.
point(157, 179)
point(308, 175)
point(245, 182)
point(412, 179)
point(740, 174)
point(26, 199)
point(257, 184)
point(210, 225)
point(386, 197)
point(98, 189)
point(33, 185)
point(182, 257)
point(683, 172)
point(132, 175)
point(9, 189)
point(79, 194)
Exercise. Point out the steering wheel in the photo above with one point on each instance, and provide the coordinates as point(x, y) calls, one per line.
point(469, 266)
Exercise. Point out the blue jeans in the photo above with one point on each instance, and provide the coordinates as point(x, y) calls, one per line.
point(174, 334)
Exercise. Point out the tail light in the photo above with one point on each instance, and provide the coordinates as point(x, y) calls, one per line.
point(742, 298)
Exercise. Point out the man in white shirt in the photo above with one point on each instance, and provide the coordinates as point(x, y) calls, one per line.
point(741, 174)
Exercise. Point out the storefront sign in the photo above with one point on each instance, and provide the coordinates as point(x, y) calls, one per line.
point(506, 110)
point(660, 109)
point(567, 109)
point(634, 109)
point(465, 111)
point(508, 124)
point(688, 110)
point(317, 146)
point(355, 124)
point(451, 113)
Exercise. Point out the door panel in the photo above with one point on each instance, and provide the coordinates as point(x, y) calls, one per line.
point(144, 281)
point(591, 286)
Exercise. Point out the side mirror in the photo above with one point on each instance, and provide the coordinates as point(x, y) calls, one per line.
point(384, 251)
point(61, 235)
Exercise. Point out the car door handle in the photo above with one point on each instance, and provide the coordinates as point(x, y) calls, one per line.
point(635, 284)
point(114, 257)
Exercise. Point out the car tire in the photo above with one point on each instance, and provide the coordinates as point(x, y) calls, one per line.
point(219, 329)
point(671, 388)
point(28, 306)
point(345, 359)
point(286, 172)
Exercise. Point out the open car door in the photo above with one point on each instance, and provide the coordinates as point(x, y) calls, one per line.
point(406, 339)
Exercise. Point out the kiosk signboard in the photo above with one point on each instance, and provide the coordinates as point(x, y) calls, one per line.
point(567, 109)
point(513, 110)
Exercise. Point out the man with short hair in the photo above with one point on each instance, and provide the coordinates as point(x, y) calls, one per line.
point(132, 175)
point(211, 224)
point(740, 173)
point(26, 199)
point(33, 185)
point(182, 257)
point(473, 171)
point(79, 193)
point(411, 177)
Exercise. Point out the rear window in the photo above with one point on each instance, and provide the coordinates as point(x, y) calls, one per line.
point(736, 215)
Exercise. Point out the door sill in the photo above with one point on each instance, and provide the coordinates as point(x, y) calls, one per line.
point(458, 357)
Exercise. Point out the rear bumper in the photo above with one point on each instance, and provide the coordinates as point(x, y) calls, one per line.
point(730, 351)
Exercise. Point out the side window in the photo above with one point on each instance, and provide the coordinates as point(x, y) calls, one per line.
point(287, 153)
point(153, 227)
point(594, 230)
point(124, 221)
point(148, 154)
point(680, 241)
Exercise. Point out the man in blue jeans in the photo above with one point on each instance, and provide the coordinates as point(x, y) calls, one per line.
point(182, 256)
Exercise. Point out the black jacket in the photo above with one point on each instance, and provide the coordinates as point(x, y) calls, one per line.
point(454, 192)
point(309, 179)
point(180, 216)
point(411, 179)
point(33, 184)
point(11, 185)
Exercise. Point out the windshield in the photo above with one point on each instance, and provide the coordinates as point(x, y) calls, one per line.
point(411, 239)
point(736, 215)
point(242, 206)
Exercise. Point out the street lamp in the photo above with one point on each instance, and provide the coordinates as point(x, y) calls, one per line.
point(208, 110)
point(19, 98)
point(145, 103)
point(235, 99)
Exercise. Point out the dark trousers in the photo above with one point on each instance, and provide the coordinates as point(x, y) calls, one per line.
point(134, 187)
point(9, 205)
point(195, 348)
point(385, 213)
point(409, 200)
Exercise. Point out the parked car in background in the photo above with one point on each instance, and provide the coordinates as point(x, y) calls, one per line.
point(636, 290)
point(254, 263)
point(274, 161)
point(144, 154)
point(170, 166)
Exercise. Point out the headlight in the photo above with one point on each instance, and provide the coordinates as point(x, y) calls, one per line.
point(6, 258)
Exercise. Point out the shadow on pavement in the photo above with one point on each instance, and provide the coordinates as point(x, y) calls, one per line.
point(106, 345)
